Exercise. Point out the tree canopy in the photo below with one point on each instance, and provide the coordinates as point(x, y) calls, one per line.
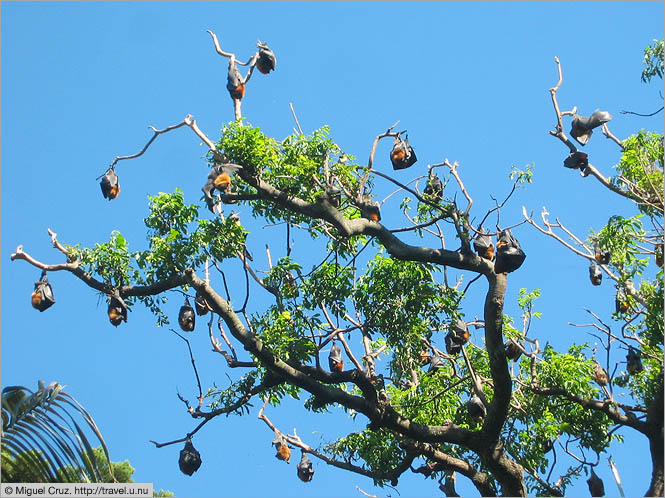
point(447, 388)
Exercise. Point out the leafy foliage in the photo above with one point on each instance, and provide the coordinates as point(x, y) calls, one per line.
point(653, 61)
point(44, 436)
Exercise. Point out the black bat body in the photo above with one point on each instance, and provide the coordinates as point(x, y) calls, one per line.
point(305, 468)
point(512, 350)
point(335, 361)
point(282, 447)
point(435, 362)
point(434, 189)
point(577, 160)
point(267, 60)
point(602, 256)
point(460, 332)
point(483, 246)
point(117, 310)
point(110, 185)
point(596, 486)
point(595, 275)
point(190, 459)
point(452, 347)
point(509, 254)
point(42, 297)
point(476, 409)
point(621, 303)
point(582, 128)
point(370, 209)
point(402, 156)
point(186, 317)
point(234, 82)
point(633, 361)
point(219, 178)
point(201, 305)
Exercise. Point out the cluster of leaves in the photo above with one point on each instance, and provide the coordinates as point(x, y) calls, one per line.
point(177, 240)
point(287, 334)
point(330, 284)
point(295, 166)
point(377, 449)
point(111, 260)
point(281, 278)
point(220, 398)
point(642, 164)
point(571, 371)
point(402, 301)
point(653, 61)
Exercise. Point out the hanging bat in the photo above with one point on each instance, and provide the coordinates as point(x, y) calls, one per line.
point(483, 245)
point(452, 347)
point(186, 317)
point(266, 61)
point(402, 155)
point(595, 275)
point(200, 304)
point(475, 408)
point(509, 255)
point(601, 256)
point(335, 361)
point(435, 363)
point(434, 188)
point(305, 468)
point(109, 184)
point(424, 357)
point(190, 459)
point(600, 375)
point(219, 178)
point(582, 128)
point(512, 350)
point(460, 332)
point(621, 303)
point(334, 195)
point(633, 361)
point(42, 297)
point(595, 483)
point(234, 82)
point(378, 382)
point(117, 310)
point(577, 160)
point(282, 447)
point(659, 254)
point(370, 209)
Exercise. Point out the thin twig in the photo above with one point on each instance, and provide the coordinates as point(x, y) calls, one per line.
point(295, 118)
point(191, 356)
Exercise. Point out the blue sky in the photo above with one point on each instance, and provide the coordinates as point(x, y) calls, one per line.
point(81, 83)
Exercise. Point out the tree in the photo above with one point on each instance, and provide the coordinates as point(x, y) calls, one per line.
point(392, 309)
point(42, 441)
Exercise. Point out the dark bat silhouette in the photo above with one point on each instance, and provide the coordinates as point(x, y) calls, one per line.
point(109, 184)
point(582, 128)
point(42, 297)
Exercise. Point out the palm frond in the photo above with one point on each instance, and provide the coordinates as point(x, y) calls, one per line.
point(43, 437)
